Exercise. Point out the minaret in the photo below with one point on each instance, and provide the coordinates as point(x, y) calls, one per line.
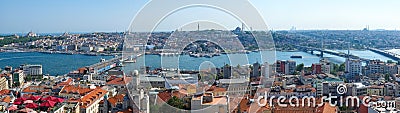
point(198, 26)
point(348, 49)
point(243, 27)
point(322, 48)
point(137, 80)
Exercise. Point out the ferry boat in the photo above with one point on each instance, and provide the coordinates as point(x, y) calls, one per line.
point(296, 56)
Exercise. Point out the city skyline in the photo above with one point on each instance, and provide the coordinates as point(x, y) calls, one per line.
point(199, 56)
point(109, 16)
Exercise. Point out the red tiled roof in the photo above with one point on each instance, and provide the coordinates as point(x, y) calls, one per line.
point(164, 96)
point(119, 81)
point(91, 97)
point(4, 92)
point(33, 89)
point(82, 70)
point(327, 108)
point(180, 94)
point(117, 98)
point(75, 89)
point(111, 78)
point(6, 99)
point(211, 88)
point(363, 109)
point(243, 105)
point(216, 89)
point(73, 100)
point(219, 89)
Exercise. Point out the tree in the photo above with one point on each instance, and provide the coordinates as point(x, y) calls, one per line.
point(342, 67)
point(28, 78)
point(387, 77)
point(176, 102)
point(335, 69)
point(300, 67)
point(173, 105)
point(154, 109)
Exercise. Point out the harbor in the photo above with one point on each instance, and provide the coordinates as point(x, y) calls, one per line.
point(59, 64)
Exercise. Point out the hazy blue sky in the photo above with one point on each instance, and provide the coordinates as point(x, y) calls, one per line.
point(19, 16)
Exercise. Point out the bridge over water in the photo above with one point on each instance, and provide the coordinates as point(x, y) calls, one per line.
point(105, 65)
point(111, 63)
point(388, 54)
point(332, 52)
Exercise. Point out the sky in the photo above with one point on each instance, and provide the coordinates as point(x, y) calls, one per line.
point(54, 16)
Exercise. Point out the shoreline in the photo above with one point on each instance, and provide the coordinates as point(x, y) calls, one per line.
point(62, 52)
point(148, 53)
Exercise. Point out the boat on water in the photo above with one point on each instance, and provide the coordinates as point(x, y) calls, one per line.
point(194, 55)
point(296, 56)
point(130, 60)
point(102, 60)
point(208, 56)
point(216, 54)
point(46, 52)
point(70, 53)
point(91, 54)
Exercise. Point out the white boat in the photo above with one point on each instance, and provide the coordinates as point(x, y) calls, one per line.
point(130, 60)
